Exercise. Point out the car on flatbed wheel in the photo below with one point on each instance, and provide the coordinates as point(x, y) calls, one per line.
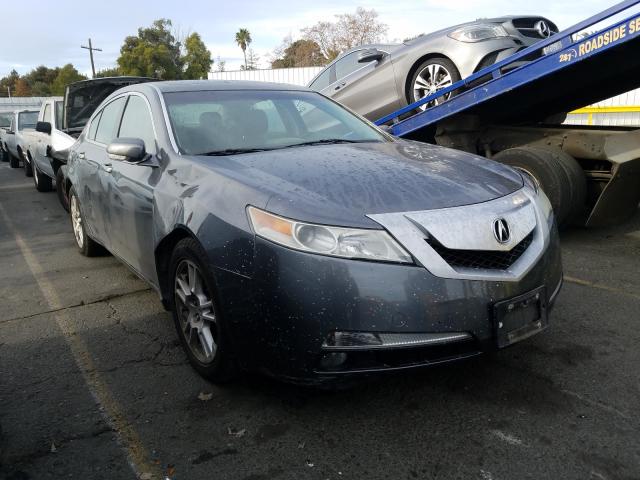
point(288, 236)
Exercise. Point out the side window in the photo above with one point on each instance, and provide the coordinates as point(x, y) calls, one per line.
point(323, 81)
point(94, 127)
point(47, 113)
point(59, 113)
point(109, 121)
point(347, 65)
point(136, 123)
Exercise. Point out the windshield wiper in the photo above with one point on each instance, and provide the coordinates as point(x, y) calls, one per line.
point(233, 151)
point(326, 141)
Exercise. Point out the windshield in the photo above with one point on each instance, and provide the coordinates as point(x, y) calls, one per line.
point(228, 122)
point(27, 120)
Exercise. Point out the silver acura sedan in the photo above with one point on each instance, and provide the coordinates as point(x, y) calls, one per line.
point(375, 80)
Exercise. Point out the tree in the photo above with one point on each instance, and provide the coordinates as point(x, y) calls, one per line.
point(40, 80)
point(301, 53)
point(348, 31)
point(108, 72)
point(252, 62)
point(22, 88)
point(8, 83)
point(243, 39)
point(154, 52)
point(66, 75)
point(197, 58)
point(222, 64)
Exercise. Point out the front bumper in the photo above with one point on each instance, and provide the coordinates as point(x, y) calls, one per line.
point(281, 317)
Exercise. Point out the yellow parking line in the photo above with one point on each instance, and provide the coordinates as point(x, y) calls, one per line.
point(108, 406)
point(586, 283)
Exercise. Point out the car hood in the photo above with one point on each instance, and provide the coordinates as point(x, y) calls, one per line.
point(341, 184)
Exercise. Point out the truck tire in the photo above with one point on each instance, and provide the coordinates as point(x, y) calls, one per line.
point(4, 156)
point(43, 182)
point(577, 184)
point(61, 191)
point(14, 162)
point(551, 177)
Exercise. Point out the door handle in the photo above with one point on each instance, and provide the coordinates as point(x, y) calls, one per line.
point(81, 155)
point(107, 167)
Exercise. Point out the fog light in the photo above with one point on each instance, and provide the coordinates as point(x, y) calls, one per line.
point(353, 339)
point(333, 360)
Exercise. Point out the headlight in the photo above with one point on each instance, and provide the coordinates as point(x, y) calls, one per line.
point(542, 200)
point(477, 33)
point(334, 241)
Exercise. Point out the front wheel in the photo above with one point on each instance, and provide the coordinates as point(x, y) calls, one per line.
point(14, 162)
point(42, 182)
point(87, 246)
point(431, 76)
point(63, 197)
point(196, 315)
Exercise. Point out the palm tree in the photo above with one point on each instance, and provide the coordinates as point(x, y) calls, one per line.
point(243, 39)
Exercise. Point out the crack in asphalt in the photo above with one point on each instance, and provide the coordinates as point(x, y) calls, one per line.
point(82, 303)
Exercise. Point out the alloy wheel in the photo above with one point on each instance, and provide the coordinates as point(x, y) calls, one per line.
point(431, 79)
point(194, 308)
point(76, 220)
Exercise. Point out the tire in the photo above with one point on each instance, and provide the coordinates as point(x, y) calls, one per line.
point(14, 162)
point(4, 156)
point(576, 185)
point(87, 246)
point(551, 177)
point(42, 182)
point(61, 191)
point(439, 67)
point(197, 301)
point(28, 169)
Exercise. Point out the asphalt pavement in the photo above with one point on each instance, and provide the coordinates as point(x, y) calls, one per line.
point(94, 384)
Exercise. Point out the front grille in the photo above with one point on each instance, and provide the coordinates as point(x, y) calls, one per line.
point(527, 27)
point(481, 259)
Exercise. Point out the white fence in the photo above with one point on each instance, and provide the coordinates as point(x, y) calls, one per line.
point(293, 76)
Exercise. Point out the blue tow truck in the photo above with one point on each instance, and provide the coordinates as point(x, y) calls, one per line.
point(590, 174)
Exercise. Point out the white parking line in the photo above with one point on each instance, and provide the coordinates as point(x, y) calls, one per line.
point(107, 405)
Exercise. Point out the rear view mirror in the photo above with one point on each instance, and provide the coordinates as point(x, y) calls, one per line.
point(127, 149)
point(43, 127)
point(370, 55)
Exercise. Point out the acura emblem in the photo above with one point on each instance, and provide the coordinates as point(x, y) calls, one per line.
point(543, 29)
point(501, 230)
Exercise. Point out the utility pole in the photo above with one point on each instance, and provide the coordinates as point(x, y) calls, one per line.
point(91, 49)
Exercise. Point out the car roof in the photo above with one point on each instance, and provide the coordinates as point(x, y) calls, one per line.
point(201, 85)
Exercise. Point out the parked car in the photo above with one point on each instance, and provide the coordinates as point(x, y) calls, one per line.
point(5, 124)
point(375, 80)
point(13, 137)
point(60, 122)
point(289, 236)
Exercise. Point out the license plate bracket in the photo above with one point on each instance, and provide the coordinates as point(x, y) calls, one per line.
point(520, 317)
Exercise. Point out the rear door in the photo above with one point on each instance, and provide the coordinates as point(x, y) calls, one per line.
point(367, 88)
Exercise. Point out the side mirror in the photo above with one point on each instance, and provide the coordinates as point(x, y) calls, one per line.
point(43, 127)
point(127, 149)
point(370, 55)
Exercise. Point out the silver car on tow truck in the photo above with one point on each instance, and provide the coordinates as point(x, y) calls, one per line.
point(376, 80)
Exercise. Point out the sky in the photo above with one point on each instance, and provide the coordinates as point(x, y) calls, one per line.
point(50, 32)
